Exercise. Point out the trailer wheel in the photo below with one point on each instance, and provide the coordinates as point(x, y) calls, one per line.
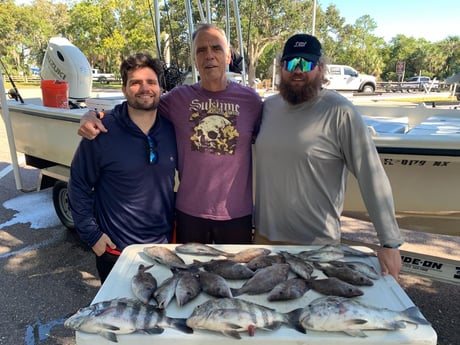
point(61, 204)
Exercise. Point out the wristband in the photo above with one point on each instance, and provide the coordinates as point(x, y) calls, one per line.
point(396, 246)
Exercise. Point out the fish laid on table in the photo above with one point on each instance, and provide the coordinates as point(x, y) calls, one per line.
point(335, 287)
point(143, 284)
point(264, 261)
point(362, 267)
point(324, 254)
point(188, 287)
point(232, 315)
point(166, 291)
point(123, 316)
point(194, 248)
point(290, 289)
point(346, 274)
point(300, 267)
point(263, 280)
point(214, 284)
point(164, 256)
point(246, 255)
point(227, 269)
point(338, 314)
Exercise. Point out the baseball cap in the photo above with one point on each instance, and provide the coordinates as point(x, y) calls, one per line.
point(302, 45)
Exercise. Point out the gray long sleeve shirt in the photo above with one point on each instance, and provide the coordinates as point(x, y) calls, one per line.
point(303, 156)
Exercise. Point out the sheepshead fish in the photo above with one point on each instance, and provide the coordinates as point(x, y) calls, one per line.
point(123, 316)
point(335, 287)
point(195, 248)
point(290, 289)
point(143, 284)
point(263, 280)
point(338, 314)
point(214, 285)
point(232, 315)
point(246, 255)
point(166, 291)
point(227, 269)
point(164, 256)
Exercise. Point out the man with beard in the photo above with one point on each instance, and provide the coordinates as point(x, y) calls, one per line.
point(309, 139)
point(121, 187)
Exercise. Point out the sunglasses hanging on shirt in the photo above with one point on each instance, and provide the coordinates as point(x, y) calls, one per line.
point(153, 155)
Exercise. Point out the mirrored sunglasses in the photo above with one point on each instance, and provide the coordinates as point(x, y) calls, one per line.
point(304, 65)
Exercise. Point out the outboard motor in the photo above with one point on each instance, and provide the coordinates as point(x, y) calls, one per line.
point(64, 61)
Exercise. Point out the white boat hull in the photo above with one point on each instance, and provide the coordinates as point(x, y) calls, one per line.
point(423, 170)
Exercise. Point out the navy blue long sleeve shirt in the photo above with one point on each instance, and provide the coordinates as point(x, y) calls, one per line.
point(114, 189)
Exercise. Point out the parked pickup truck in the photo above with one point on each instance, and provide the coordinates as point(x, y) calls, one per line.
point(346, 78)
point(104, 78)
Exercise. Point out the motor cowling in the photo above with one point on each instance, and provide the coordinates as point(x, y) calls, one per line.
point(64, 61)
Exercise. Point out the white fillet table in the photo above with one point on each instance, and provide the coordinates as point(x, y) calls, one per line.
point(385, 293)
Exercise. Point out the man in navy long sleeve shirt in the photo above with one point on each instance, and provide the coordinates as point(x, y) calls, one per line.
point(121, 186)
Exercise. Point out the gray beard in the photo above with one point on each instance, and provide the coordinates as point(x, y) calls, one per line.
point(296, 95)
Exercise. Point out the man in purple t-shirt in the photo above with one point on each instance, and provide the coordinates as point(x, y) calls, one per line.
point(215, 121)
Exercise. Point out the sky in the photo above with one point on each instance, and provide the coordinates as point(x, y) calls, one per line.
point(428, 19)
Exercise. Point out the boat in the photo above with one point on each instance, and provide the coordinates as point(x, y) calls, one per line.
point(420, 151)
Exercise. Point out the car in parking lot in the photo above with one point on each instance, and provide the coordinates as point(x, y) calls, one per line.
point(420, 83)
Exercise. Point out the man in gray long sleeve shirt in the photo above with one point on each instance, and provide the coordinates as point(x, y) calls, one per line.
point(310, 138)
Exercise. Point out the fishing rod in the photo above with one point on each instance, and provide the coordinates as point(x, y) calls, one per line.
point(16, 94)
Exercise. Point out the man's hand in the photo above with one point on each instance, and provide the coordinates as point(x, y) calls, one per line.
point(390, 261)
point(90, 126)
point(102, 243)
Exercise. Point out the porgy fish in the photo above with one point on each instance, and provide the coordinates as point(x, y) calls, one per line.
point(232, 315)
point(164, 256)
point(194, 248)
point(290, 289)
point(300, 267)
point(123, 316)
point(143, 284)
point(214, 284)
point(188, 287)
point(335, 287)
point(347, 275)
point(166, 291)
point(227, 269)
point(340, 314)
point(264, 261)
point(363, 268)
point(246, 255)
point(324, 254)
point(263, 280)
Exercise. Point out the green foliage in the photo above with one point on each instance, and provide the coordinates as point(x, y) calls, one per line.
point(108, 30)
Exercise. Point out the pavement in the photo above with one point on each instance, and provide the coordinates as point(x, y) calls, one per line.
point(47, 273)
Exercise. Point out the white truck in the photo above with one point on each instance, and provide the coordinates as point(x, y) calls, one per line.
point(346, 78)
point(104, 78)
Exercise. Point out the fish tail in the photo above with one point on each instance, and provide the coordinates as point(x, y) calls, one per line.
point(181, 325)
point(293, 320)
point(414, 315)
